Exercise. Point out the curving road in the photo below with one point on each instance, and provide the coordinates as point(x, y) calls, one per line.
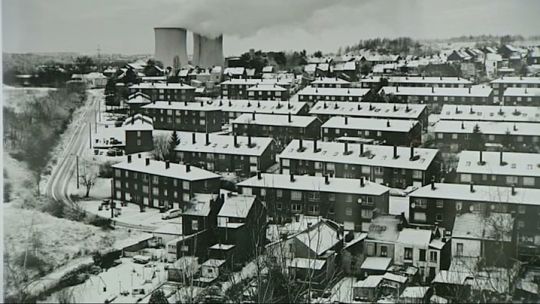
point(62, 173)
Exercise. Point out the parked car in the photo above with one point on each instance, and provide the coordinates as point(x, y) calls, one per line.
point(141, 259)
point(170, 214)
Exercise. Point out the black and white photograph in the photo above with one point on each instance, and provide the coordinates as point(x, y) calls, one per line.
point(270, 151)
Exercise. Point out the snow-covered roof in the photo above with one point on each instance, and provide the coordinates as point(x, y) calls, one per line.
point(254, 81)
point(138, 122)
point(496, 226)
point(314, 183)
point(259, 106)
point(522, 92)
point(374, 155)
point(360, 92)
point(491, 113)
point(485, 194)
point(415, 237)
point(517, 80)
point(266, 87)
point(199, 205)
point(220, 246)
point(268, 69)
point(451, 277)
point(395, 277)
point(138, 98)
point(162, 86)
point(371, 281)
point(420, 80)
point(320, 237)
point(345, 66)
point(371, 124)
point(222, 144)
point(234, 71)
point(415, 292)
point(176, 105)
point(330, 80)
point(169, 228)
point(237, 206)
point(476, 91)
point(358, 238)
point(275, 120)
point(488, 127)
point(376, 263)
point(304, 263)
point(514, 163)
point(158, 168)
point(213, 263)
point(376, 110)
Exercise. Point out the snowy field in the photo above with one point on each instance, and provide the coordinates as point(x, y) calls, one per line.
point(15, 97)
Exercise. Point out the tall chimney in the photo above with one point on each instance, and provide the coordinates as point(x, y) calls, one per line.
point(188, 167)
point(346, 148)
point(326, 180)
point(361, 150)
point(253, 115)
point(472, 187)
point(129, 159)
point(300, 145)
point(362, 182)
point(412, 153)
point(259, 175)
point(235, 141)
point(514, 189)
point(501, 161)
point(290, 118)
point(346, 119)
point(432, 183)
point(395, 152)
point(147, 161)
point(432, 89)
point(315, 149)
point(193, 138)
point(250, 144)
point(207, 138)
point(167, 164)
point(481, 160)
point(292, 177)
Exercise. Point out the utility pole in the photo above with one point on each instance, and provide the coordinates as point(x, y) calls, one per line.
point(77, 161)
point(90, 134)
point(99, 58)
point(95, 122)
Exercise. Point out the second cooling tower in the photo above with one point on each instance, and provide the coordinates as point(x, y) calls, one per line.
point(207, 52)
point(171, 47)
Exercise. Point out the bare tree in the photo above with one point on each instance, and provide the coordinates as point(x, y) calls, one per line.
point(161, 147)
point(88, 176)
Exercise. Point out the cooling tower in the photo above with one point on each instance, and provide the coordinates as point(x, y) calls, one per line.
point(207, 52)
point(171, 47)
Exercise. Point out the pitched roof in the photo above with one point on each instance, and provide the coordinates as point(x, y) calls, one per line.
point(259, 106)
point(490, 113)
point(222, 144)
point(359, 92)
point(416, 237)
point(162, 86)
point(376, 110)
point(372, 124)
point(476, 91)
point(488, 127)
point(514, 163)
point(384, 228)
point(237, 206)
point(176, 105)
point(155, 167)
point(275, 120)
point(374, 155)
point(138, 122)
point(496, 226)
point(320, 237)
point(314, 183)
point(376, 263)
point(522, 92)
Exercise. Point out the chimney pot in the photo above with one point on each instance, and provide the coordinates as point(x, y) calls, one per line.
point(472, 187)
point(481, 160)
point(253, 115)
point(250, 144)
point(361, 150)
point(290, 118)
point(292, 177)
point(207, 138)
point(259, 175)
point(315, 149)
point(147, 161)
point(346, 148)
point(388, 123)
point(514, 189)
point(326, 180)
point(139, 155)
point(412, 153)
point(362, 181)
point(346, 120)
point(235, 137)
point(193, 138)
point(300, 145)
point(501, 161)
point(395, 152)
point(167, 164)
point(129, 158)
point(188, 167)
point(433, 184)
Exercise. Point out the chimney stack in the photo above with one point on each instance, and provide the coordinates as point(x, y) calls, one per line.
point(324, 105)
point(259, 175)
point(167, 164)
point(193, 138)
point(253, 115)
point(469, 90)
point(412, 153)
point(169, 102)
point(326, 180)
point(300, 145)
point(395, 152)
point(432, 183)
point(462, 125)
point(514, 189)
point(185, 103)
point(472, 187)
point(139, 155)
point(432, 89)
point(292, 177)
point(147, 161)
point(235, 141)
point(315, 149)
point(207, 138)
point(129, 159)
point(361, 150)
point(501, 161)
point(346, 120)
point(388, 123)
point(188, 167)
point(290, 118)
point(250, 143)
point(481, 160)
point(362, 181)
point(346, 148)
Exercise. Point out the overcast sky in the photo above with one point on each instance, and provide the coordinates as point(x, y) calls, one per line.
point(126, 26)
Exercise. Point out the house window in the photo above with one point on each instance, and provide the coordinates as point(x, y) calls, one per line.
point(348, 198)
point(185, 197)
point(433, 256)
point(370, 249)
point(314, 196)
point(465, 178)
point(459, 249)
point(420, 216)
point(459, 205)
point(422, 255)
point(195, 225)
point(278, 206)
point(332, 197)
point(439, 204)
point(408, 253)
point(185, 185)
point(313, 208)
point(421, 203)
point(296, 207)
point(279, 193)
point(296, 195)
point(521, 209)
point(521, 224)
point(528, 181)
point(438, 217)
point(367, 213)
point(348, 211)
point(511, 180)
point(384, 251)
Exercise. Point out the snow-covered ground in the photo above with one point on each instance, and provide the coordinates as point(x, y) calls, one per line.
point(16, 97)
point(123, 278)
